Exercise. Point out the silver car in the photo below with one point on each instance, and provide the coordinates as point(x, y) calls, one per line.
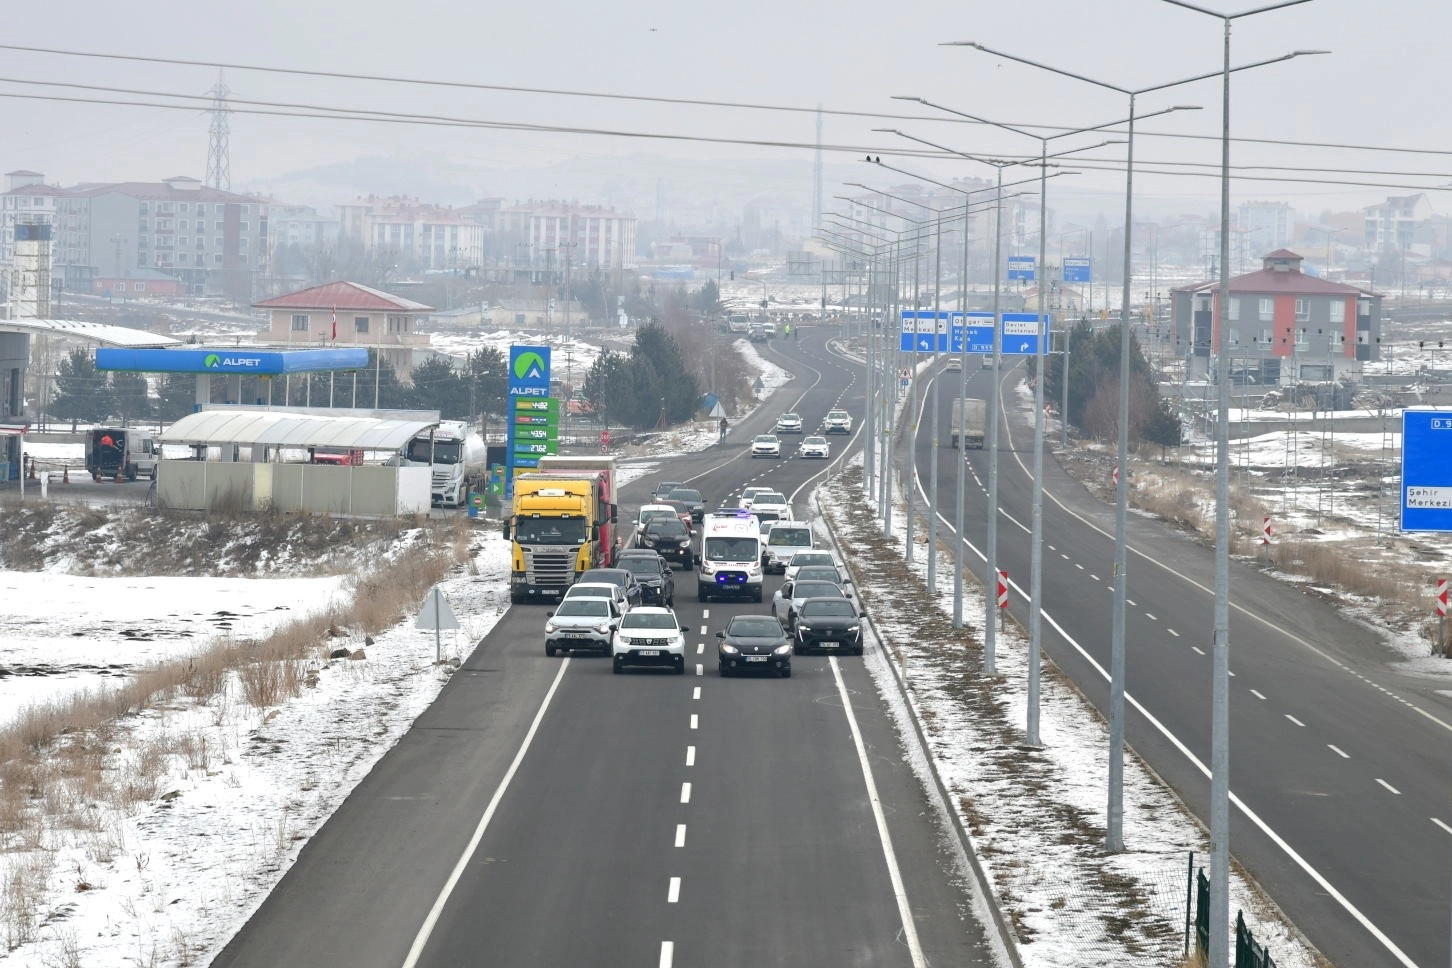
point(582, 623)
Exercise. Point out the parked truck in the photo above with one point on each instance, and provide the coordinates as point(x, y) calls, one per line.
point(561, 523)
point(968, 422)
point(456, 455)
point(116, 453)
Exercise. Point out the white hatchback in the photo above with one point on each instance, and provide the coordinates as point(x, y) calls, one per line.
point(771, 502)
point(651, 636)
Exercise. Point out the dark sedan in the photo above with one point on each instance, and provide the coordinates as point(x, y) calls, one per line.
point(653, 573)
point(615, 576)
point(667, 538)
point(754, 643)
point(692, 499)
point(828, 625)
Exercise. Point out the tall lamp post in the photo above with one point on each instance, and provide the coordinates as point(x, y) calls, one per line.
point(1114, 827)
point(1220, 664)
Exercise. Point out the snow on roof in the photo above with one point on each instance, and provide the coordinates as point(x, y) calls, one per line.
point(275, 428)
point(100, 332)
point(343, 295)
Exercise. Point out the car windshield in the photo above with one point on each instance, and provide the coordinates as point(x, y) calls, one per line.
point(597, 575)
point(837, 414)
point(790, 416)
point(766, 439)
point(791, 537)
point(686, 494)
point(842, 609)
point(769, 497)
point(641, 567)
point(819, 573)
point(732, 549)
point(648, 620)
point(816, 589)
point(591, 607)
point(816, 441)
point(590, 591)
point(647, 513)
point(755, 626)
point(665, 487)
point(444, 451)
point(673, 527)
point(561, 531)
point(802, 558)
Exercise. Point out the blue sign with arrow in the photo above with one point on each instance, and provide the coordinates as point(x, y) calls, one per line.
point(1078, 270)
point(1021, 268)
point(1020, 332)
point(1426, 470)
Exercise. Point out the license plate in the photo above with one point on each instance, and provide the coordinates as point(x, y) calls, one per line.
point(577, 635)
point(650, 652)
point(755, 658)
point(828, 645)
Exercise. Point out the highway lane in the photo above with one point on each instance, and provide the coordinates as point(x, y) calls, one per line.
point(780, 857)
point(1338, 758)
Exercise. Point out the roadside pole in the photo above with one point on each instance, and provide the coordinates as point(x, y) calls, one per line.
point(933, 436)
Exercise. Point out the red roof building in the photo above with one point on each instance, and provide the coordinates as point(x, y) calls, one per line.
point(347, 314)
point(1284, 326)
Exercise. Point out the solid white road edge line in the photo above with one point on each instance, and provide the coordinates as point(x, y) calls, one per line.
point(904, 910)
point(422, 938)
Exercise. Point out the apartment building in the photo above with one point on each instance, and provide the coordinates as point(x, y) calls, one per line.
point(552, 233)
point(420, 236)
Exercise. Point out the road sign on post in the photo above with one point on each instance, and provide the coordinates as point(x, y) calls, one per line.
point(436, 615)
point(1265, 531)
point(1078, 270)
point(1021, 268)
point(1426, 470)
point(1441, 610)
point(1021, 333)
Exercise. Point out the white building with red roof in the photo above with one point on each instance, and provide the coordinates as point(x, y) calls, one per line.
point(1284, 326)
point(347, 314)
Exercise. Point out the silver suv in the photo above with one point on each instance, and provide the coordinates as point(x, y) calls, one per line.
point(837, 422)
point(582, 623)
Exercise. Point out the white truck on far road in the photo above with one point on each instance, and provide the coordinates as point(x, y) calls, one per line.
point(968, 422)
point(457, 456)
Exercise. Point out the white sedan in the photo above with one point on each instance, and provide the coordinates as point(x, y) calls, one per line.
point(815, 447)
point(765, 445)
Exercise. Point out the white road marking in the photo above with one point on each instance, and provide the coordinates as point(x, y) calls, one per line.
point(700, 647)
point(680, 835)
point(705, 613)
point(904, 910)
point(1229, 673)
point(696, 693)
point(1389, 786)
point(686, 792)
point(667, 953)
point(673, 894)
point(1064, 556)
point(690, 756)
point(695, 721)
point(1441, 824)
point(1257, 694)
point(1338, 751)
point(1079, 566)
point(1134, 603)
point(421, 939)
point(1150, 616)
point(1093, 576)
point(700, 669)
point(1295, 720)
point(1173, 632)
point(704, 630)
point(1198, 649)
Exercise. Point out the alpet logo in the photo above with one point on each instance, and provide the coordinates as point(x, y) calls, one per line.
point(529, 366)
point(211, 361)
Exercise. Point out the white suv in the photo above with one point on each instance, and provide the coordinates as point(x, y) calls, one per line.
point(789, 423)
point(650, 635)
point(765, 445)
point(837, 422)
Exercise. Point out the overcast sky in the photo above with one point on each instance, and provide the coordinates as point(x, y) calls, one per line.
point(1383, 86)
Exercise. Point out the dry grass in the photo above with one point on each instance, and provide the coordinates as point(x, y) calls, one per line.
point(73, 765)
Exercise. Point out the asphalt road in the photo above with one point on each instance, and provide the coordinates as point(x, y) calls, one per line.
point(644, 819)
point(1342, 762)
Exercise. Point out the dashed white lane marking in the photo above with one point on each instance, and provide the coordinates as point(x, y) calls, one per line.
point(673, 894)
point(1441, 824)
point(700, 647)
point(1338, 751)
point(1295, 720)
point(1052, 548)
point(686, 792)
point(1064, 556)
point(700, 669)
point(705, 613)
point(667, 953)
point(1389, 786)
point(704, 630)
point(690, 756)
point(1135, 604)
point(1198, 649)
point(1257, 694)
point(695, 721)
point(1173, 632)
point(1150, 616)
point(680, 835)
point(696, 693)
point(1079, 566)
point(1093, 576)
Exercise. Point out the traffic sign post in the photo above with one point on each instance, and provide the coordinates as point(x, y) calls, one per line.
point(1002, 596)
point(436, 615)
point(1265, 536)
point(1426, 501)
point(1078, 270)
point(1021, 268)
point(1441, 609)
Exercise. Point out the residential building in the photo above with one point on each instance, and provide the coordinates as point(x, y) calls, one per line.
point(210, 240)
point(300, 225)
point(1284, 326)
point(1266, 225)
point(558, 234)
point(137, 284)
point(419, 236)
point(348, 314)
point(1394, 223)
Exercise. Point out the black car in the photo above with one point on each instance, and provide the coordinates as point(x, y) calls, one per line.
point(690, 497)
point(663, 490)
point(615, 576)
point(754, 643)
point(669, 539)
point(653, 573)
point(828, 624)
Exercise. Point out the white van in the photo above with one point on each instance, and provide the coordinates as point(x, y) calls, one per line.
point(783, 541)
point(731, 547)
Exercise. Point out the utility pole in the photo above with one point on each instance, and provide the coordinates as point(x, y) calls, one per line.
point(219, 166)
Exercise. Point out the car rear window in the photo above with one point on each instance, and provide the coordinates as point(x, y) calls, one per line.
point(842, 609)
point(791, 537)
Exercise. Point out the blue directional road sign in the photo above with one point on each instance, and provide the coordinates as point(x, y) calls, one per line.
point(979, 332)
point(1426, 470)
point(1021, 333)
point(1021, 268)
point(923, 331)
point(1078, 270)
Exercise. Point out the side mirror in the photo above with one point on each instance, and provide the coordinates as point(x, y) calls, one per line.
point(506, 530)
point(685, 628)
point(862, 613)
point(720, 635)
point(549, 614)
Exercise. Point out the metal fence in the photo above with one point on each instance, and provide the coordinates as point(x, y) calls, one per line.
point(1248, 952)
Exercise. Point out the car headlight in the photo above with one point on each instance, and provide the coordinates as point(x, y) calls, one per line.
point(854, 629)
point(782, 649)
point(803, 626)
point(730, 649)
point(753, 569)
point(550, 628)
point(602, 629)
point(623, 639)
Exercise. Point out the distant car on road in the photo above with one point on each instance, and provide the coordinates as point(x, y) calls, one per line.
point(615, 576)
point(815, 447)
point(837, 422)
point(581, 623)
point(765, 445)
point(654, 574)
point(771, 502)
point(788, 600)
point(669, 538)
point(828, 624)
point(650, 636)
point(806, 559)
point(664, 488)
point(789, 423)
point(754, 643)
point(692, 499)
point(748, 495)
point(598, 589)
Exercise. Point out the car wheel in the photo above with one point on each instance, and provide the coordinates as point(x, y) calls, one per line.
point(756, 596)
point(550, 649)
point(786, 672)
point(680, 667)
point(721, 670)
point(617, 667)
point(605, 649)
